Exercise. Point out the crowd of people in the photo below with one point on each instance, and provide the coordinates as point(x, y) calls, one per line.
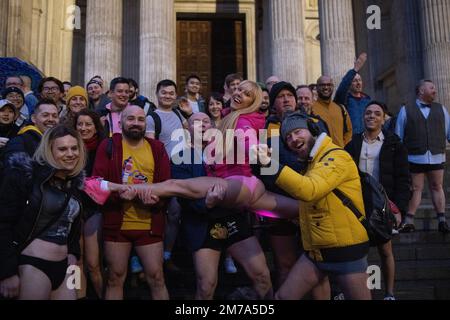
point(91, 177)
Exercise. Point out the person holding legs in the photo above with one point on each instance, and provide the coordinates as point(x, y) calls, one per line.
point(335, 242)
point(131, 159)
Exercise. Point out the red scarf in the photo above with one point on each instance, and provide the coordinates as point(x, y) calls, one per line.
point(92, 143)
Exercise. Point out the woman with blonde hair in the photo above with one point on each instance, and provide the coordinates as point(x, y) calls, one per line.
point(40, 220)
point(240, 126)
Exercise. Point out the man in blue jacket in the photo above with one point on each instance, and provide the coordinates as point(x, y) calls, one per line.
point(350, 94)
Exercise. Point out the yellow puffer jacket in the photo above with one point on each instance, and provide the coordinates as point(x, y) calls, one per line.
point(324, 221)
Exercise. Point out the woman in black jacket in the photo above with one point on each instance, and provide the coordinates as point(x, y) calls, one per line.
point(87, 123)
point(40, 220)
point(381, 154)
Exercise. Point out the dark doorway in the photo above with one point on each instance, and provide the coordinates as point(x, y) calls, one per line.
point(210, 47)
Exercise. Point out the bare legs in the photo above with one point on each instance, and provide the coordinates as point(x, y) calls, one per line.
point(435, 181)
point(92, 241)
point(151, 256)
point(387, 266)
point(237, 194)
point(304, 276)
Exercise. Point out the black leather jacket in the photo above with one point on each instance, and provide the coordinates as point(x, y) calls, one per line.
point(29, 206)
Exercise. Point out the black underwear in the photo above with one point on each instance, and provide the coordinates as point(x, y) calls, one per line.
point(55, 271)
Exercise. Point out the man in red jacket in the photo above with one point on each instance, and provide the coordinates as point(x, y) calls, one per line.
point(131, 158)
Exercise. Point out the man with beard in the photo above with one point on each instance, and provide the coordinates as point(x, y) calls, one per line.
point(334, 240)
point(130, 159)
point(265, 104)
point(139, 100)
point(283, 233)
point(45, 116)
point(334, 115)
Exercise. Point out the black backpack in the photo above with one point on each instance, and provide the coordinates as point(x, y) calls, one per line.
point(379, 219)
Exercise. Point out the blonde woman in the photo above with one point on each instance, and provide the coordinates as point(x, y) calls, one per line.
point(40, 218)
point(243, 189)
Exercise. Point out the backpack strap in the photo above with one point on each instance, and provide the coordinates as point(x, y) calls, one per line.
point(344, 117)
point(346, 201)
point(157, 120)
point(330, 151)
point(147, 109)
point(182, 120)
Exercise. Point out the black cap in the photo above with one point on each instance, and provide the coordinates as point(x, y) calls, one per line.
point(13, 89)
point(278, 87)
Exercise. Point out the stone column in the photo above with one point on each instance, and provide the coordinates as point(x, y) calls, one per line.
point(157, 45)
point(436, 45)
point(405, 19)
point(103, 39)
point(288, 43)
point(3, 26)
point(336, 38)
point(13, 29)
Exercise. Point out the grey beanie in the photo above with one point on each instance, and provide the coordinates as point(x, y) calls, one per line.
point(293, 121)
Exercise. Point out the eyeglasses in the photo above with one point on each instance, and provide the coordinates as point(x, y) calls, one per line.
point(48, 89)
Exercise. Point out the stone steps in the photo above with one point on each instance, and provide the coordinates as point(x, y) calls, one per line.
point(422, 272)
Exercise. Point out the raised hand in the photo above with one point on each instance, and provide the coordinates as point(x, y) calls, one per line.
point(185, 106)
point(359, 63)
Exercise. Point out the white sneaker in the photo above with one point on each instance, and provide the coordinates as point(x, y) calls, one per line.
point(230, 267)
point(389, 298)
point(395, 231)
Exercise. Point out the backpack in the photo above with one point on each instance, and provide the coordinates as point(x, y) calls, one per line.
point(379, 219)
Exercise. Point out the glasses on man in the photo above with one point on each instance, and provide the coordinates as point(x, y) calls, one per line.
point(50, 89)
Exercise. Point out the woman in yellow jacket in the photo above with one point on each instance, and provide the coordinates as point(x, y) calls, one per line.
point(335, 242)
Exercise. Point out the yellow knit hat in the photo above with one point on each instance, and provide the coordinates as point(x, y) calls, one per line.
point(76, 91)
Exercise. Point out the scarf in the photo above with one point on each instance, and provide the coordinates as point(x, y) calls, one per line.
point(92, 143)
